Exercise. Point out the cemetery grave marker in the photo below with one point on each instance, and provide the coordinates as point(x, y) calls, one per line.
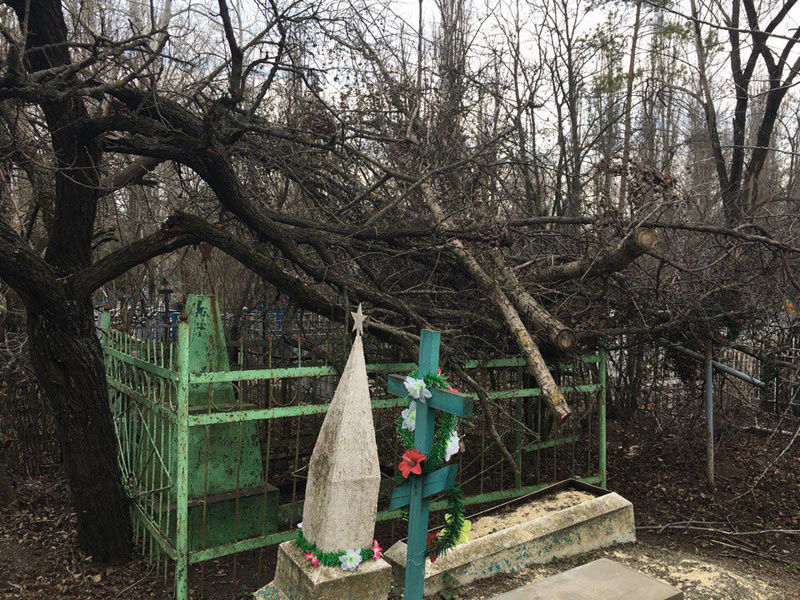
point(416, 493)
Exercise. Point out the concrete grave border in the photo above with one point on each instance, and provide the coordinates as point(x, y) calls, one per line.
point(597, 523)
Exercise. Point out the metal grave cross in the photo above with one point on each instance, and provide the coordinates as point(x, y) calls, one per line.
point(416, 493)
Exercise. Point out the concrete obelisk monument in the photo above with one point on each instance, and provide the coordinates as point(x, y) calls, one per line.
point(341, 501)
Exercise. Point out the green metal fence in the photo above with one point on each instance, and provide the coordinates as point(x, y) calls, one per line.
point(214, 458)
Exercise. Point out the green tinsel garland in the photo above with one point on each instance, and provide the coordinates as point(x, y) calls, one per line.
point(441, 439)
point(326, 559)
point(433, 461)
point(455, 500)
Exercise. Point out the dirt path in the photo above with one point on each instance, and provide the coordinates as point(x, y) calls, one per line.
point(700, 577)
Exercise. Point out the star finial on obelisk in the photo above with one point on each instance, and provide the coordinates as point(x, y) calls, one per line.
point(358, 320)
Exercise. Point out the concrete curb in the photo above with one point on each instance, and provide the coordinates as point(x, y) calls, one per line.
point(596, 523)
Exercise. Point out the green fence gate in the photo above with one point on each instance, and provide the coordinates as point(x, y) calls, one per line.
point(214, 457)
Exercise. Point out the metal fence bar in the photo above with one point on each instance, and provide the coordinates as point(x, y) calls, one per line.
point(289, 373)
point(181, 472)
point(601, 417)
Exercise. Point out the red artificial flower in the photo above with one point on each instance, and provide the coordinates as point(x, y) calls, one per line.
point(411, 463)
point(432, 539)
point(310, 556)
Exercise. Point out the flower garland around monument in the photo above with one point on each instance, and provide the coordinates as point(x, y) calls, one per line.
point(445, 444)
point(347, 560)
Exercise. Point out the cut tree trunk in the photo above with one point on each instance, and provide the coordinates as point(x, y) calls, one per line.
point(631, 248)
point(68, 361)
point(561, 336)
point(530, 351)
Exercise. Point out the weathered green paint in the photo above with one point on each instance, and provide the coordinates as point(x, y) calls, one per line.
point(225, 470)
point(143, 401)
point(534, 392)
point(519, 362)
point(141, 364)
point(551, 443)
point(417, 491)
point(279, 412)
point(290, 373)
point(241, 546)
point(181, 453)
point(452, 402)
point(163, 541)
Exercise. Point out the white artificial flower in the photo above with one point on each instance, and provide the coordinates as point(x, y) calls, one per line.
point(417, 389)
point(300, 525)
point(452, 446)
point(410, 417)
point(350, 560)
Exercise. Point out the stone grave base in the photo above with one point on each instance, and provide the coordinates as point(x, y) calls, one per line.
point(595, 523)
point(601, 579)
point(296, 579)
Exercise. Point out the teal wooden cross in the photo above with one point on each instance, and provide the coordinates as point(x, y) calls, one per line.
point(416, 493)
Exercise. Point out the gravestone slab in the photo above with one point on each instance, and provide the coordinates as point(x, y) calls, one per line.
point(602, 579)
point(597, 523)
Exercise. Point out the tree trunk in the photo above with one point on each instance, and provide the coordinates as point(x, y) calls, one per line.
point(626, 137)
point(65, 351)
point(7, 495)
point(68, 362)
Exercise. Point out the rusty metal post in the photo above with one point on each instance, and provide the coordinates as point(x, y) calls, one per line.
point(182, 460)
point(709, 393)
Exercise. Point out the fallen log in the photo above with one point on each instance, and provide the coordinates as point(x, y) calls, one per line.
point(631, 248)
point(530, 351)
point(561, 336)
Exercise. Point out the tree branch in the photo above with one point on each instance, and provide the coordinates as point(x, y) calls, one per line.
point(120, 261)
point(631, 248)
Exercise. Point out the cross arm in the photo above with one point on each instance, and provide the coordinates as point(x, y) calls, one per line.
point(438, 481)
point(454, 403)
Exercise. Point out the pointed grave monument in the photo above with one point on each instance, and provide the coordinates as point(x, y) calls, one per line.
point(335, 556)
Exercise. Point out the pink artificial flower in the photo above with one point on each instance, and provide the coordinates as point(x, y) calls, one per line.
point(310, 556)
point(377, 551)
point(452, 389)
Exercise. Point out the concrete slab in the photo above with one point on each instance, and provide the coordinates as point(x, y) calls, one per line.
point(597, 523)
point(602, 579)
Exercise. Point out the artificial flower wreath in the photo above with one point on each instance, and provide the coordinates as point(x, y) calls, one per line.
point(446, 443)
point(347, 560)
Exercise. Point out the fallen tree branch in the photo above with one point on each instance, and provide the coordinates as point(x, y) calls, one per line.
point(631, 248)
point(530, 351)
point(682, 526)
point(561, 336)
